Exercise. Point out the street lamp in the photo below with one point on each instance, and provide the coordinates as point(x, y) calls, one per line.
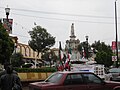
point(50, 57)
point(87, 46)
point(7, 10)
point(116, 34)
point(6, 21)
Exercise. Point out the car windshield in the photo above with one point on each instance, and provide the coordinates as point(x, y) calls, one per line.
point(114, 70)
point(54, 78)
point(77, 62)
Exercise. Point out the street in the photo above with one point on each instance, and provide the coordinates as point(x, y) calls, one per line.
point(25, 85)
point(25, 88)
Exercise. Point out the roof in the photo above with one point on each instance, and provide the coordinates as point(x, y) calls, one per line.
point(70, 72)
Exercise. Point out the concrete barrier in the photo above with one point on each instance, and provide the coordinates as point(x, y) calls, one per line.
point(33, 76)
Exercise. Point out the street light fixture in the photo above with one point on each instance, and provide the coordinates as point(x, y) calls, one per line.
point(7, 10)
point(116, 34)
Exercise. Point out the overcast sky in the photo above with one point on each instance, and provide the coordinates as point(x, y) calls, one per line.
point(94, 18)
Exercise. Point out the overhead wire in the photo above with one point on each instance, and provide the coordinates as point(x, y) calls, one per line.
point(57, 13)
point(63, 19)
point(43, 12)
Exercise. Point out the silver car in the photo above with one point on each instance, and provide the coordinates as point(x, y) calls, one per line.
point(115, 74)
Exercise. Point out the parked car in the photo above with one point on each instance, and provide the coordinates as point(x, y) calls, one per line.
point(69, 80)
point(115, 72)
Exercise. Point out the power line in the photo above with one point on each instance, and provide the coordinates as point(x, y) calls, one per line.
point(63, 19)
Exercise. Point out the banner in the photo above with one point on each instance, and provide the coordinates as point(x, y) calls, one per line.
point(7, 23)
point(114, 46)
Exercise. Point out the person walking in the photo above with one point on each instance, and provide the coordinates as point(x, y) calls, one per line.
point(5, 67)
point(9, 80)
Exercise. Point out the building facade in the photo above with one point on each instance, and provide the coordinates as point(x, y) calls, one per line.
point(27, 52)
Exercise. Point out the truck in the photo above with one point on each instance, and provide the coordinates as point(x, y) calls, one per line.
point(97, 69)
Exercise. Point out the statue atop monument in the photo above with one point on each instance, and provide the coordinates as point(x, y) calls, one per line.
point(72, 29)
point(72, 36)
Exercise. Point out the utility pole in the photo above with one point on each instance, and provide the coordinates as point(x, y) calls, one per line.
point(116, 34)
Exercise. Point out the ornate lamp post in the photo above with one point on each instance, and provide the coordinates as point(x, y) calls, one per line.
point(7, 10)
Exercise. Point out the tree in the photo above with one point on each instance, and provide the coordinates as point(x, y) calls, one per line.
point(17, 59)
point(41, 40)
point(6, 46)
point(50, 57)
point(104, 53)
point(86, 47)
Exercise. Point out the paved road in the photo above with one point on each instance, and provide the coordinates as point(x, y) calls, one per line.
point(25, 88)
point(25, 85)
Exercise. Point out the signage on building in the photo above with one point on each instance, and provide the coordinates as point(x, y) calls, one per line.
point(114, 58)
point(7, 23)
point(114, 46)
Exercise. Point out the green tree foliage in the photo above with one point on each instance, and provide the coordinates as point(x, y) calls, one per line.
point(17, 59)
point(6, 46)
point(50, 57)
point(104, 53)
point(83, 45)
point(41, 40)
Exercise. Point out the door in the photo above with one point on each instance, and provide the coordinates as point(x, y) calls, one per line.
point(74, 82)
point(93, 82)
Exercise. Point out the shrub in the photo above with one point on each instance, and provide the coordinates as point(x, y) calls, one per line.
point(43, 69)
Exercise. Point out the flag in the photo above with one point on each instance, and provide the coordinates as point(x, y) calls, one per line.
point(83, 52)
point(61, 66)
point(67, 63)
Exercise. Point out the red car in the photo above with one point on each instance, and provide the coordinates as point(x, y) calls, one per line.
point(68, 80)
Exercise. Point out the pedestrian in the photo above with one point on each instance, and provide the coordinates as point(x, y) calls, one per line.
point(8, 80)
point(5, 67)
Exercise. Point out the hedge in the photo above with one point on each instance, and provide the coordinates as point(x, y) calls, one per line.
point(43, 69)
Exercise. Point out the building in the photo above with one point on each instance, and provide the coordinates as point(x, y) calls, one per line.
point(28, 54)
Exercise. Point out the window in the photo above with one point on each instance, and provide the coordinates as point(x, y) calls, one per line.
point(74, 79)
point(54, 78)
point(91, 78)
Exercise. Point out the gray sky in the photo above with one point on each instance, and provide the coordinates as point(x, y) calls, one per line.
point(94, 18)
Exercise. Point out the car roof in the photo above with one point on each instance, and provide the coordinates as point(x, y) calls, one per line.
point(72, 72)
